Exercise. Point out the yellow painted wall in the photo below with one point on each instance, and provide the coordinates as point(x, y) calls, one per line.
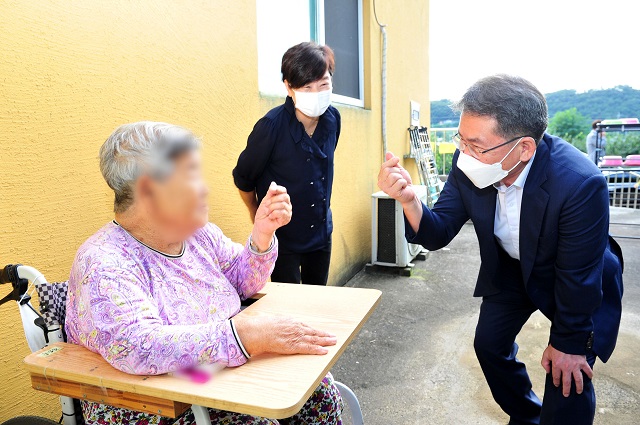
point(70, 72)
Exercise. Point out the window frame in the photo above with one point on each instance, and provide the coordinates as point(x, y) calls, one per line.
point(318, 34)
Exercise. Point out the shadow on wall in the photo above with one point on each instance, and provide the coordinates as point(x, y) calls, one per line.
point(353, 267)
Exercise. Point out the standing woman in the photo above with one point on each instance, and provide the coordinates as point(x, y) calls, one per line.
point(293, 145)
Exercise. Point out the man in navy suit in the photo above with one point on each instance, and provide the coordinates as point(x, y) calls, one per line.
point(540, 210)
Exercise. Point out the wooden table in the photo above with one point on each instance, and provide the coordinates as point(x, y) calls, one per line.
point(271, 386)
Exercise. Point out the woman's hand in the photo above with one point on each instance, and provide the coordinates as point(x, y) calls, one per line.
point(274, 212)
point(280, 335)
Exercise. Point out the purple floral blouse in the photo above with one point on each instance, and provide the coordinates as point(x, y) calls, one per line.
point(148, 313)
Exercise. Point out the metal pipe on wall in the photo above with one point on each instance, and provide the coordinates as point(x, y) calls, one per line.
point(383, 107)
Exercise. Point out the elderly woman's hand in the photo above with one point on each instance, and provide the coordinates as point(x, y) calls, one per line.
point(280, 335)
point(274, 212)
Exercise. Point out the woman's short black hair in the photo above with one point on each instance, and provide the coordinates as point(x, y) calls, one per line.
point(306, 62)
point(594, 124)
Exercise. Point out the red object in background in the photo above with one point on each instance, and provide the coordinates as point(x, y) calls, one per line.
point(611, 161)
point(632, 161)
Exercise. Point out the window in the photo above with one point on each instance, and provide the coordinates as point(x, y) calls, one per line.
point(337, 23)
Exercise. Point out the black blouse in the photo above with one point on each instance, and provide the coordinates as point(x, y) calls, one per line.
point(278, 149)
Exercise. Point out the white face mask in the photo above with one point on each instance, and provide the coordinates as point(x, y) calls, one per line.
point(484, 175)
point(313, 104)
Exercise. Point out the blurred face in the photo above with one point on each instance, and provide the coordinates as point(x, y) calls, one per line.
point(179, 201)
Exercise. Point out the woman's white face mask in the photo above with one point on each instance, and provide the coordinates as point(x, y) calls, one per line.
point(312, 104)
point(484, 175)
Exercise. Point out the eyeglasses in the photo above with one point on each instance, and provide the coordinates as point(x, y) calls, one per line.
point(462, 145)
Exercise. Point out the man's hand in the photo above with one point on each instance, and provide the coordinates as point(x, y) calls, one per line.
point(565, 366)
point(395, 181)
point(281, 335)
point(274, 212)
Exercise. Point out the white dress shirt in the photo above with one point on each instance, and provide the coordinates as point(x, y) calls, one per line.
point(506, 226)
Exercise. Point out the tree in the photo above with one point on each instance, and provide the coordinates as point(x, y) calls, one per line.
point(623, 144)
point(570, 125)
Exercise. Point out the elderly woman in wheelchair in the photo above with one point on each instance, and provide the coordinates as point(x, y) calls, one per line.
point(157, 289)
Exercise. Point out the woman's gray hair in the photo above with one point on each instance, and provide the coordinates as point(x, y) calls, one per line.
point(516, 104)
point(139, 148)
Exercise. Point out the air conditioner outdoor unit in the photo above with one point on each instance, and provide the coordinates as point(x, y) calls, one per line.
point(389, 247)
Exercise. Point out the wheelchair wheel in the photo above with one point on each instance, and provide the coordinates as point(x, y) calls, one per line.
point(29, 420)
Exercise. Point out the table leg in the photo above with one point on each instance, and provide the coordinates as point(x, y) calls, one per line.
point(68, 410)
point(201, 414)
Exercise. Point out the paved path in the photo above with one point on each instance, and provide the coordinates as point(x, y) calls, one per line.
point(413, 363)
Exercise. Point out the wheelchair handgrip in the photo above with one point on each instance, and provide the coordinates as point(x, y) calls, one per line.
point(4, 275)
point(7, 274)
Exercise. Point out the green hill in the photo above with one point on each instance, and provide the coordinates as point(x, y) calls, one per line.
point(617, 102)
point(442, 115)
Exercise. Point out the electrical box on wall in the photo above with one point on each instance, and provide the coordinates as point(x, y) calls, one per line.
point(415, 113)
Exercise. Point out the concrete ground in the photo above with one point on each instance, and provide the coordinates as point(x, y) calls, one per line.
point(413, 362)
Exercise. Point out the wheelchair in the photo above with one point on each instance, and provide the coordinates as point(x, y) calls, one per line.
point(46, 326)
point(40, 328)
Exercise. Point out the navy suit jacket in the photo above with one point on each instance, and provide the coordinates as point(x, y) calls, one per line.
point(572, 269)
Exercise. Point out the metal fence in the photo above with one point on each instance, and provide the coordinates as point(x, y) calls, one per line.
point(624, 186)
point(441, 142)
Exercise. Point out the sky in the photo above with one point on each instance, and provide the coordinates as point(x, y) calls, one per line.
point(556, 44)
